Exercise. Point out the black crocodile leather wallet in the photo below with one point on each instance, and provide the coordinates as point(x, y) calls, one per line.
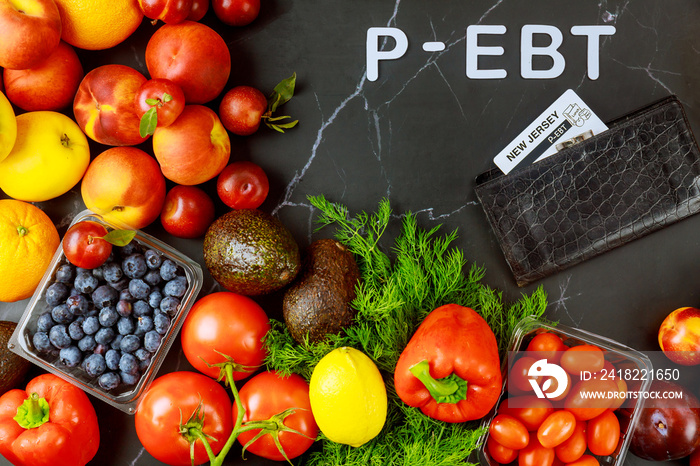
point(637, 177)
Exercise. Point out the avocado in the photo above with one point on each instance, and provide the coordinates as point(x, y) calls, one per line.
point(250, 252)
point(13, 368)
point(319, 302)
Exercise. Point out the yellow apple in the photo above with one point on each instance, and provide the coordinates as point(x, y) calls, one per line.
point(49, 157)
point(8, 127)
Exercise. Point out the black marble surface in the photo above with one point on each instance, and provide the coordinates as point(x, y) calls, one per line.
point(423, 131)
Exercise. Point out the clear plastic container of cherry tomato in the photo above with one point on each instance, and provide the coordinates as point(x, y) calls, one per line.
point(66, 330)
point(567, 394)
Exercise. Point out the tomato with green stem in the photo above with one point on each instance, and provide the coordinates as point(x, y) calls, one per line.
point(179, 409)
point(278, 414)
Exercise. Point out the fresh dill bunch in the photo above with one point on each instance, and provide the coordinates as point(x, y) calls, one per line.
point(395, 294)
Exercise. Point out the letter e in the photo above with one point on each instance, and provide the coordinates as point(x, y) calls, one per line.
point(473, 52)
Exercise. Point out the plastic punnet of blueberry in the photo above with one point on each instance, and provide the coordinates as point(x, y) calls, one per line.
point(107, 323)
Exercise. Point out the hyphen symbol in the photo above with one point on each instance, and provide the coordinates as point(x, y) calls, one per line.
point(542, 368)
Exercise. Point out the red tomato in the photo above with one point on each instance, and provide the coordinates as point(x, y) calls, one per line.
point(499, 453)
point(225, 324)
point(585, 460)
point(534, 454)
point(509, 432)
point(557, 428)
point(518, 380)
point(268, 394)
point(575, 446)
point(603, 434)
point(528, 409)
point(170, 400)
point(242, 185)
point(582, 358)
point(236, 12)
point(622, 390)
point(83, 245)
point(590, 398)
point(547, 346)
point(162, 96)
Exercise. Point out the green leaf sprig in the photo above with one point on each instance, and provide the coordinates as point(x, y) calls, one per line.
point(149, 120)
point(400, 286)
point(281, 94)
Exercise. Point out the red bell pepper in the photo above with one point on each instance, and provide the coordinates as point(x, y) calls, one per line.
point(50, 423)
point(450, 368)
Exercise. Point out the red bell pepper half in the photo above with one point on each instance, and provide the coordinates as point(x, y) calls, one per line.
point(450, 368)
point(50, 423)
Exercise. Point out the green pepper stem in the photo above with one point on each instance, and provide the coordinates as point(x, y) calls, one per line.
point(450, 389)
point(33, 412)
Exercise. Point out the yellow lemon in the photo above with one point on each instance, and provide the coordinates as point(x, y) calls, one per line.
point(8, 127)
point(348, 397)
point(49, 157)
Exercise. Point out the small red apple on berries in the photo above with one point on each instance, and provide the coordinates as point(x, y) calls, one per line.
point(88, 244)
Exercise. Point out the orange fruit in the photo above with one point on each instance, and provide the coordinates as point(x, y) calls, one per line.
point(29, 240)
point(98, 24)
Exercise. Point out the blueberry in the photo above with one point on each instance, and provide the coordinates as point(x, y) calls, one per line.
point(112, 357)
point(105, 296)
point(121, 284)
point(130, 343)
point(70, 356)
point(153, 259)
point(125, 326)
point(85, 283)
point(169, 305)
point(98, 272)
point(95, 365)
point(152, 277)
point(168, 270)
point(65, 274)
point(112, 272)
point(100, 349)
point(134, 266)
point(124, 308)
point(155, 298)
point(44, 322)
point(124, 294)
point(108, 316)
point(87, 343)
point(131, 248)
point(56, 293)
point(144, 324)
point(104, 336)
point(129, 364)
point(78, 304)
point(139, 289)
point(151, 341)
point(58, 335)
point(142, 354)
point(41, 342)
point(141, 308)
point(176, 287)
point(75, 330)
point(91, 325)
point(109, 381)
point(117, 342)
point(130, 379)
point(161, 322)
point(61, 314)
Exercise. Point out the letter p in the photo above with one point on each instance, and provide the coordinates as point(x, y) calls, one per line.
point(374, 54)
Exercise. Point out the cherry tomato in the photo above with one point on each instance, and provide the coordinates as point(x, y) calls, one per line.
point(518, 379)
point(575, 446)
point(268, 394)
point(547, 346)
point(170, 401)
point(163, 96)
point(590, 398)
point(603, 434)
point(509, 432)
point(556, 428)
point(499, 453)
point(582, 358)
point(236, 12)
point(622, 393)
point(528, 409)
point(585, 460)
point(83, 245)
point(242, 185)
point(225, 323)
point(534, 454)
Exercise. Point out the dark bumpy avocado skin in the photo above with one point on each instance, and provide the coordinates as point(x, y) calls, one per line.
point(319, 302)
point(13, 368)
point(250, 252)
